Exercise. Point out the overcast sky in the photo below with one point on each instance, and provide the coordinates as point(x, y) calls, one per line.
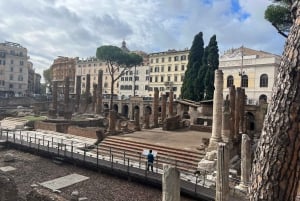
point(51, 28)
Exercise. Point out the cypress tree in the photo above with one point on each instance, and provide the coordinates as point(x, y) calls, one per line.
point(212, 65)
point(194, 64)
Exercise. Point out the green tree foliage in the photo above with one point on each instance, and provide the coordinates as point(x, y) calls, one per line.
point(198, 83)
point(117, 62)
point(47, 74)
point(212, 64)
point(278, 14)
point(194, 63)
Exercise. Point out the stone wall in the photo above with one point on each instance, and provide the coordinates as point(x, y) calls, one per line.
point(58, 127)
point(172, 123)
point(84, 132)
point(200, 128)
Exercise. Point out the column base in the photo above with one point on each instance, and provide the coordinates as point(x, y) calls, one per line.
point(242, 187)
point(213, 144)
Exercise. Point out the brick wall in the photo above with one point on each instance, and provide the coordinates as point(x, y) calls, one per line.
point(84, 132)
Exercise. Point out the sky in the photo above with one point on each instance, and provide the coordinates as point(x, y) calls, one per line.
point(75, 28)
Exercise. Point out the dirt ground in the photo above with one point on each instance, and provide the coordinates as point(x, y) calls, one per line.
point(31, 169)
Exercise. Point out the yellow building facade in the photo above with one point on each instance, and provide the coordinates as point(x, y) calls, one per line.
point(167, 71)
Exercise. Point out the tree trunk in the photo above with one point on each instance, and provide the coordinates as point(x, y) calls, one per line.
point(276, 167)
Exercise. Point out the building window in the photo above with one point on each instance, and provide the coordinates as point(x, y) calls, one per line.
point(20, 86)
point(156, 60)
point(263, 98)
point(169, 68)
point(183, 58)
point(162, 60)
point(161, 88)
point(11, 86)
point(105, 85)
point(170, 59)
point(150, 79)
point(136, 78)
point(11, 61)
point(175, 78)
point(162, 69)
point(130, 78)
point(156, 78)
point(11, 69)
point(136, 87)
point(176, 68)
point(151, 60)
point(147, 72)
point(146, 87)
point(182, 78)
point(263, 80)
point(176, 58)
point(229, 81)
point(244, 81)
point(20, 78)
point(147, 78)
point(11, 77)
point(182, 67)
point(21, 70)
point(161, 78)
point(169, 78)
point(21, 63)
point(151, 70)
point(156, 69)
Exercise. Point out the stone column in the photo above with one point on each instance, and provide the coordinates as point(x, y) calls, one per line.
point(112, 121)
point(67, 111)
point(171, 97)
point(147, 119)
point(245, 163)
point(94, 97)
point(232, 110)
point(54, 100)
point(163, 107)
point(222, 182)
point(237, 113)
point(217, 110)
point(99, 92)
point(78, 93)
point(66, 93)
point(242, 111)
point(137, 119)
point(155, 108)
point(225, 133)
point(170, 183)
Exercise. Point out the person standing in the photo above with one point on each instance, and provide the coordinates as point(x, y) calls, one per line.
point(150, 159)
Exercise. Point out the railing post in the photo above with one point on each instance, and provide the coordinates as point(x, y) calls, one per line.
point(156, 163)
point(52, 142)
point(65, 150)
point(14, 136)
point(124, 157)
point(34, 138)
point(112, 161)
point(109, 153)
point(146, 169)
point(128, 166)
point(20, 136)
point(43, 140)
point(21, 139)
point(57, 149)
point(30, 142)
point(140, 160)
point(1, 132)
point(196, 183)
point(39, 144)
point(7, 136)
point(84, 153)
point(97, 156)
point(71, 149)
point(48, 146)
point(27, 136)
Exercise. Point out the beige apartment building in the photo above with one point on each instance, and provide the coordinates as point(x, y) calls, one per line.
point(13, 69)
point(63, 67)
point(92, 66)
point(167, 71)
point(253, 70)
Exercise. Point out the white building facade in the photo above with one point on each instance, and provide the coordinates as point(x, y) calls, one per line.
point(253, 70)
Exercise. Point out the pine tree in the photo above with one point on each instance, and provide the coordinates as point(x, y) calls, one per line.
point(212, 65)
point(194, 63)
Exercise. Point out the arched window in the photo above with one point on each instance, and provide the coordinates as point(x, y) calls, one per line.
point(263, 98)
point(244, 81)
point(263, 80)
point(229, 81)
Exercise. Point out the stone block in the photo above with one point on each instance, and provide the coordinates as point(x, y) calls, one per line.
point(9, 157)
point(207, 165)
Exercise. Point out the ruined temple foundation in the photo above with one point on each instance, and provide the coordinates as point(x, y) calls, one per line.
point(170, 183)
point(155, 108)
point(99, 92)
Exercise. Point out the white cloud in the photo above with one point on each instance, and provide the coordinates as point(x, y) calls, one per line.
point(49, 28)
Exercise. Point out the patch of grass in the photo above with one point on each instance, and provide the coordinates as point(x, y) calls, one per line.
point(34, 118)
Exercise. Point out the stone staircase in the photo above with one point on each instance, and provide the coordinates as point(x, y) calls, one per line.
point(185, 160)
point(11, 123)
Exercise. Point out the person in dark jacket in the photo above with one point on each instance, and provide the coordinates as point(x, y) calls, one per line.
point(150, 159)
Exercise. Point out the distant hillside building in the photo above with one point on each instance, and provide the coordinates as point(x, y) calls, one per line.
point(253, 70)
point(13, 69)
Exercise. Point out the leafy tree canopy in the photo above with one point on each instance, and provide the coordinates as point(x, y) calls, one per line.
point(278, 14)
